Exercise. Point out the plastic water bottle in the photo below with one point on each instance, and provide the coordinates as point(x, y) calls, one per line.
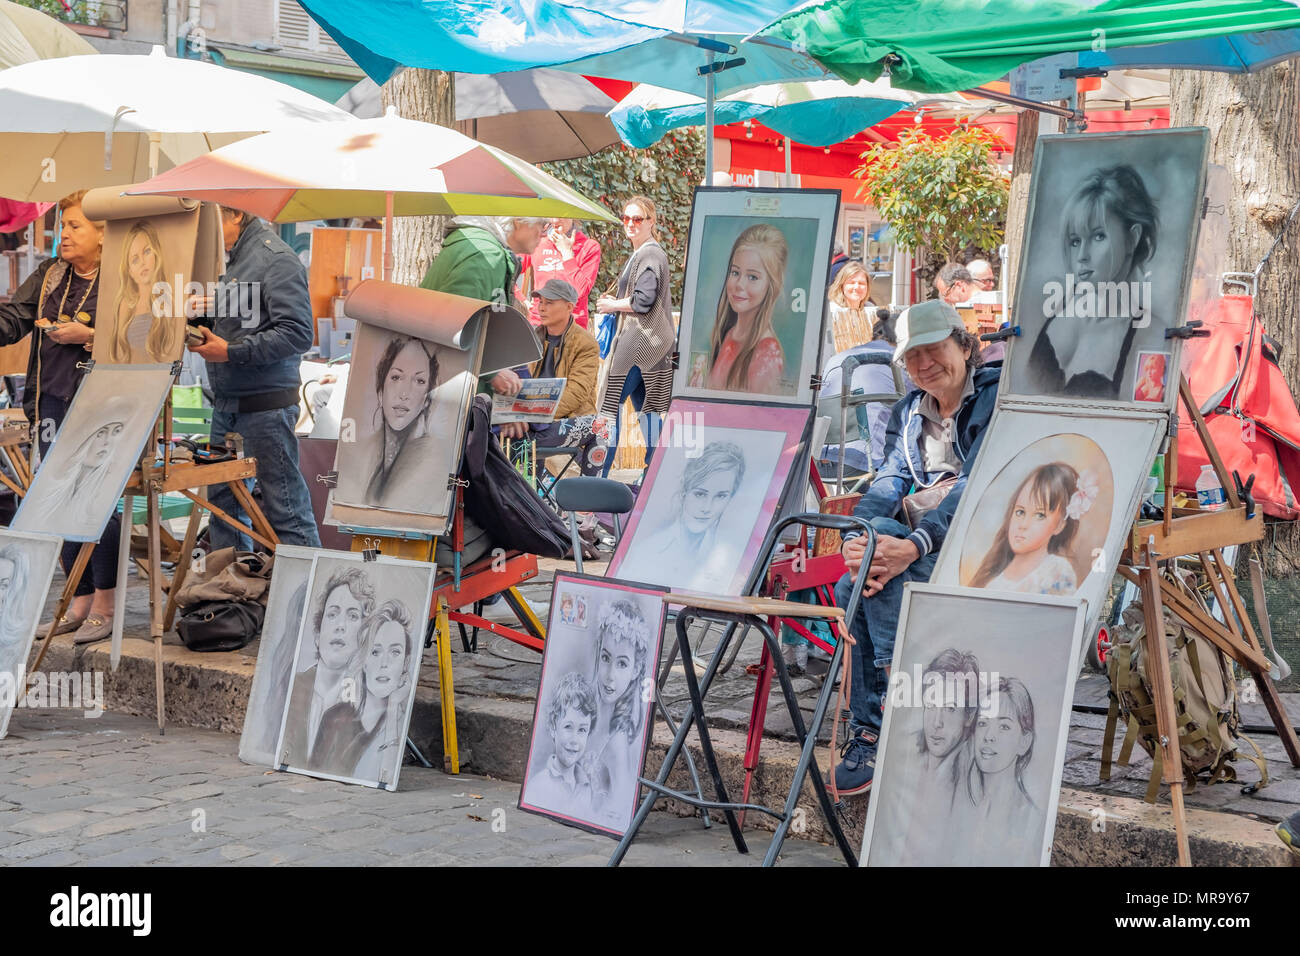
point(1209, 493)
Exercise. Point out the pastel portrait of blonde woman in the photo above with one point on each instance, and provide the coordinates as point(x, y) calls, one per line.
point(140, 334)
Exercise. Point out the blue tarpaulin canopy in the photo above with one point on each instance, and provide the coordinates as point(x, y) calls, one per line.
point(634, 40)
point(1236, 53)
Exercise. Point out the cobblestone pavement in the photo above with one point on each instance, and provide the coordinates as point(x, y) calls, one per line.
point(111, 791)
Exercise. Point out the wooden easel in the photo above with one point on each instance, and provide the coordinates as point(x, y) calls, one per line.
point(152, 479)
point(1201, 535)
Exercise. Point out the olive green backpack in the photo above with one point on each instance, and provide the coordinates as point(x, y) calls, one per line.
point(1205, 703)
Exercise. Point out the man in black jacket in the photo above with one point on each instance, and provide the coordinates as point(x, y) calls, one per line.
point(261, 326)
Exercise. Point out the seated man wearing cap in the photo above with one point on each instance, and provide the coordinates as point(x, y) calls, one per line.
point(934, 433)
point(569, 352)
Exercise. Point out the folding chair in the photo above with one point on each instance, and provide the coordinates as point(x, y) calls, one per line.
point(600, 495)
point(755, 613)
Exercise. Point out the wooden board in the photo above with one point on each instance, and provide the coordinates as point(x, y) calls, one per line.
point(14, 358)
point(183, 475)
point(336, 252)
point(1201, 532)
point(763, 607)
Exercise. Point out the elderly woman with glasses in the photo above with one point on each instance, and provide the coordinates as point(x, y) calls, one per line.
point(640, 364)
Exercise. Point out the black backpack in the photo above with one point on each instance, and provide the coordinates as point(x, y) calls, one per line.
point(500, 500)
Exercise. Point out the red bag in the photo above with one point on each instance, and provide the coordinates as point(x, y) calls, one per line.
point(1249, 410)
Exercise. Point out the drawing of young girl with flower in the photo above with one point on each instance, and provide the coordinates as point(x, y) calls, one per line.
point(1031, 554)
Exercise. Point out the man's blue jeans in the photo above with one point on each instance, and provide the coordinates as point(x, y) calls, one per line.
point(874, 627)
point(268, 437)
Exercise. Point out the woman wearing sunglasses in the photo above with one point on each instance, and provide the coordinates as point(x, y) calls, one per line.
point(640, 365)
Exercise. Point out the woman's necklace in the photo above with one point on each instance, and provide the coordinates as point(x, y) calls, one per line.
point(63, 316)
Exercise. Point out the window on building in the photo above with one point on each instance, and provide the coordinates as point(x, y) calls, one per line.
point(296, 30)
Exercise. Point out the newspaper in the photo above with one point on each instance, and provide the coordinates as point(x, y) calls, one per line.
point(536, 402)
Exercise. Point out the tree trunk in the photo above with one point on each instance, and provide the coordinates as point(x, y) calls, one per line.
point(427, 95)
point(1028, 127)
point(1254, 123)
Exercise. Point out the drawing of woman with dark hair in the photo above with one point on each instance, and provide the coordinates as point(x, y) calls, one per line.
point(1002, 748)
point(395, 456)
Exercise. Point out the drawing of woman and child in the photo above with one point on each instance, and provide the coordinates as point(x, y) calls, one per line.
point(596, 726)
point(348, 712)
point(1032, 551)
point(962, 800)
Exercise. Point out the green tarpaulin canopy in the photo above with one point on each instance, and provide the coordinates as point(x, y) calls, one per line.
point(947, 45)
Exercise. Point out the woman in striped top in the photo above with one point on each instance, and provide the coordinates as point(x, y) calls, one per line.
point(640, 363)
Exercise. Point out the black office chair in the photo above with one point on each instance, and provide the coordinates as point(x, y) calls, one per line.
point(592, 494)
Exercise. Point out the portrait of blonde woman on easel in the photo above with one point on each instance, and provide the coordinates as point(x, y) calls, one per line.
point(139, 333)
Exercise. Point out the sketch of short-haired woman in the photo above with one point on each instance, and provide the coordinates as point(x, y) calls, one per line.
point(695, 535)
point(395, 456)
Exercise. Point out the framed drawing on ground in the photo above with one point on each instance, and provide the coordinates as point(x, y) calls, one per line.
point(969, 767)
point(110, 421)
point(754, 298)
point(595, 702)
point(276, 652)
point(718, 477)
point(1109, 238)
point(356, 668)
point(1049, 502)
point(27, 563)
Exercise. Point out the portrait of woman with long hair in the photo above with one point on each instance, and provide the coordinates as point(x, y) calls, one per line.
point(396, 454)
point(139, 333)
point(744, 353)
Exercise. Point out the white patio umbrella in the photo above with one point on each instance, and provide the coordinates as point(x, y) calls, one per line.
point(27, 35)
point(108, 120)
point(370, 168)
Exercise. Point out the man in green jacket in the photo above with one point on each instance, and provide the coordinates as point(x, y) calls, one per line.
point(479, 258)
